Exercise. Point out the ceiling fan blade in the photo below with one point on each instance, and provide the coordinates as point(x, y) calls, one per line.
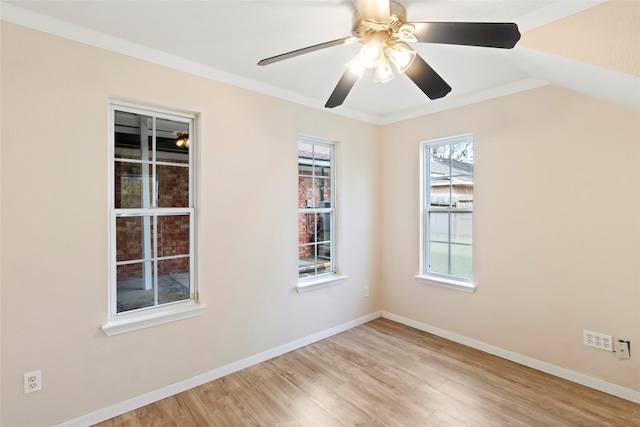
point(342, 89)
point(427, 79)
point(308, 49)
point(377, 11)
point(488, 34)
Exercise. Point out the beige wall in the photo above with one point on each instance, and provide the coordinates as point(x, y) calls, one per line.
point(54, 228)
point(605, 35)
point(556, 228)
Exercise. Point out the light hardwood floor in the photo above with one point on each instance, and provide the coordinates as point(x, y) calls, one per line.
point(386, 374)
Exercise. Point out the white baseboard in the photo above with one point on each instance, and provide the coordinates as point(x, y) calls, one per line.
point(595, 383)
point(156, 395)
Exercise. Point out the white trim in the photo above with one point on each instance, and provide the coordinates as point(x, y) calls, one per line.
point(157, 316)
point(162, 393)
point(446, 283)
point(319, 282)
point(567, 374)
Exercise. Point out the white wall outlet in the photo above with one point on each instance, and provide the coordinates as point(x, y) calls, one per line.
point(32, 382)
point(366, 291)
point(622, 349)
point(597, 340)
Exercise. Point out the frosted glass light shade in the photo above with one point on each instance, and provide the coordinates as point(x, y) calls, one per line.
point(384, 73)
point(372, 54)
point(356, 66)
point(401, 55)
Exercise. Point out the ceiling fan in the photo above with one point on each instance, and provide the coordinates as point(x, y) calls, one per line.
point(381, 27)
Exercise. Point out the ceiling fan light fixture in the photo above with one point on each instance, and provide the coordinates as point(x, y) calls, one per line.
point(372, 54)
point(401, 55)
point(384, 73)
point(356, 66)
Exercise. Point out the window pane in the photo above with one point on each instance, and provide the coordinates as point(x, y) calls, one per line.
point(133, 136)
point(461, 228)
point(173, 235)
point(306, 261)
point(305, 192)
point(323, 226)
point(461, 261)
point(440, 192)
point(323, 191)
point(462, 156)
point(134, 238)
point(134, 286)
point(309, 228)
point(439, 226)
point(133, 185)
point(311, 260)
point(462, 189)
point(173, 280)
point(173, 186)
point(439, 164)
point(172, 141)
point(305, 158)
point(322, 154)
point(439, 258)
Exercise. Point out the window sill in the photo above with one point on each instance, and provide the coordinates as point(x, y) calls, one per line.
point(458, 285)
point(170, 314)
point(321, 282)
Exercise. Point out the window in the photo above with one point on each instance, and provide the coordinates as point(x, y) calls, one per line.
point(447, 212)
point(316, 213)
point(152, 251)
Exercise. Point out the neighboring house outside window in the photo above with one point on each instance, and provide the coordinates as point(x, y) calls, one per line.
point(316, 214)
point(447, 203)
point(152, 250)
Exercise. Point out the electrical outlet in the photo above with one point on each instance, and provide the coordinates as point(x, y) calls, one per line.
point(622, 349)
point(32, 382)
point(597, 340)
point(366, 291)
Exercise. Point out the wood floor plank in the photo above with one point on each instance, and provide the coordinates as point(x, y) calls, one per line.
point(297, 404)
point(442, 418)
point(386, 374)
point(228, 411)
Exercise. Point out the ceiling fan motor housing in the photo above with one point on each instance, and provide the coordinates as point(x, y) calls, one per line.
point(361, 27)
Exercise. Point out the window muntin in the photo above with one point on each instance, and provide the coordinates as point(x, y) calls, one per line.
point(448, 208)
point(316, 208)
point(152, 210)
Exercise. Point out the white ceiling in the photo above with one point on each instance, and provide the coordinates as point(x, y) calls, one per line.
point(224, 40)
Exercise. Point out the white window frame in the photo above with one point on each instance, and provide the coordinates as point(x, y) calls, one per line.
point(132, 320)
point(332, 277)
point(425, 276)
